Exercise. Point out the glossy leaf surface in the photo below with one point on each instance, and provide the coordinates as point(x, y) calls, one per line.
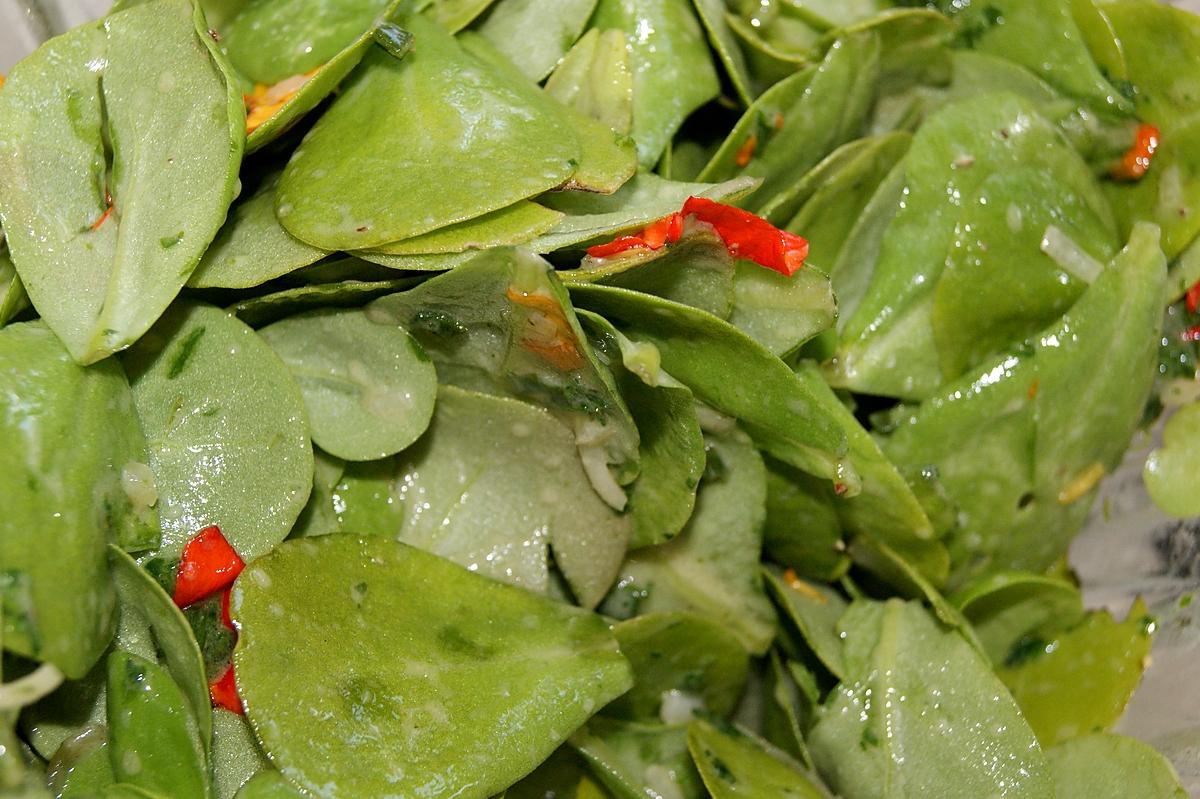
point(465, 700)
point(227, 430)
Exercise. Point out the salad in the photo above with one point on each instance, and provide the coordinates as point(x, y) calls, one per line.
point(601, 399)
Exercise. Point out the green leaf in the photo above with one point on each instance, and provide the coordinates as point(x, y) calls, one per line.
point(1079, 681)
point(320, 85)
point(368, 388)
point(558, 777)
point(778, 311)
point(80, 767)
point(791, 31)
point(670, 447)
point(267, 308)
point(913, 45)
point(682, 664)
point(454, 15)
point(125, 790)
point(802, 530)
point(514, 224)
point(711, 567)
point(885, 508)
point(793, 416)
point(318, 517)
point(236, 756)
point(1171, 469)
point(1161, 46)
point(533, 35)
point(800, 121)
point(269, 785)
point(252, 247)
point(767, 64)
point(852, 269)
point(606, 159)
point(673, 72)
point(595, 78)
point(80, 703)
point(839, 192)
point(73, 455)
point(732, 373)
point(491, 484)
point(1044, 38)
point(336, 191)
point(13, 298)
point(814, 609)
point(502, 324)
point(1111, 767)
point(726, 46)
point(141, 594)
point(735, 765)
point(158, 129)
point(788, 709)
point(210, 393)
point(1009, 609)
point(423, 262)
point(1000, 285)
point(888, 344)
point(907, 580)
point(470, 697)
point(153, 741)
point(634, 761)
point(695, 271)
point(363, 501)
point(269, 40)
point(921, 714)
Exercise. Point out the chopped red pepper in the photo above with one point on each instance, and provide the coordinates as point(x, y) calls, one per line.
point(224, 692)
point(1191, 334)
point(618, 245)
point(750, 237)
point(1136, 161)
point(746, 151)
point(744, 234)
point(209, 564)
point(1193, 298)
point(665, 231)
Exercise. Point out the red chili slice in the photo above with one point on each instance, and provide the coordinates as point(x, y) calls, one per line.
point(618, 245)
point(653, 236)
point(1193, 298)
point(750, 237)
point(744, 234)
point(1136, 161)
point(665, 231)
point(209, 564)
point(224, 692)
point(1191, 334)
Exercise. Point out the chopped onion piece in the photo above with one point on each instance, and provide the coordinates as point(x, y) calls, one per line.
point(1063, 250)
